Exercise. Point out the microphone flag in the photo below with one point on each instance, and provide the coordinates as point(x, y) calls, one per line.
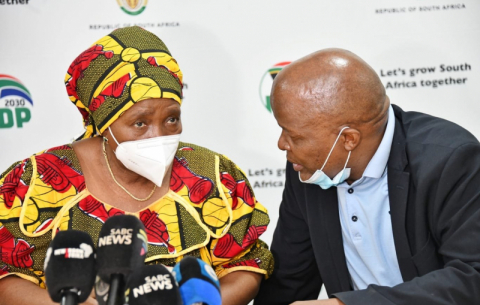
point(70, 267)
point(121, 249)
point(197, 282)
point(152, 285)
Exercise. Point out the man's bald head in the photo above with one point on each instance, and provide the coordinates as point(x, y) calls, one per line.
point(334, 84)
point(316, 98)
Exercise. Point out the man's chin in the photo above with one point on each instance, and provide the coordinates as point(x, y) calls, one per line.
point(305, 175)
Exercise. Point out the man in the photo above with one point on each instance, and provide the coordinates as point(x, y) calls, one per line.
point(380, 205)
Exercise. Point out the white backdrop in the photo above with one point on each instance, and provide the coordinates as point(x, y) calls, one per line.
point(426, 51)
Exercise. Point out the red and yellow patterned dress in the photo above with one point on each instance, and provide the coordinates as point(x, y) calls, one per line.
point(209, 212)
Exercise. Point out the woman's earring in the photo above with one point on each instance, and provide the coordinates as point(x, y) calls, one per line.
point(105, 140)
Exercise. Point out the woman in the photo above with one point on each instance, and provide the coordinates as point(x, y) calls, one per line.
point(191, 200)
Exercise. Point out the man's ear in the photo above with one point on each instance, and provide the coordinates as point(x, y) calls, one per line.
point(352, 138)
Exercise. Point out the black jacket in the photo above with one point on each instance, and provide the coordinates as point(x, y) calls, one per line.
point(434, 192)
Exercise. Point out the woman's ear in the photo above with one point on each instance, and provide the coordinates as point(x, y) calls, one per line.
point(109, 141)
point(106, 135)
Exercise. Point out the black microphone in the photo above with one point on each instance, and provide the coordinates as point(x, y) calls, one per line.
point(197, 281)
point(152, 285)
point(121, 249)
point(70, 267)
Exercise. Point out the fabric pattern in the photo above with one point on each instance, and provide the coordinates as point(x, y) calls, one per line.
point(127, 66)
point(210, 212)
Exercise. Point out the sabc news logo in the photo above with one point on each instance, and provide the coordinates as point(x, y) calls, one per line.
point(267, 82)
point(15, 102)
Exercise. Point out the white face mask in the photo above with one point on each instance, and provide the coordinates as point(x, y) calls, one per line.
point(149, 158)
point(321, 179)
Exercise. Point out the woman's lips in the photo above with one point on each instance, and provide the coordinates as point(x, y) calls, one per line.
point(297, 167)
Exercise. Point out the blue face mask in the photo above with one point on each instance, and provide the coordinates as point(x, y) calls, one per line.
point(321, 179)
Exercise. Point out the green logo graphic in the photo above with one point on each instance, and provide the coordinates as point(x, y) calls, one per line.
point(15, 102)
point(266, 83)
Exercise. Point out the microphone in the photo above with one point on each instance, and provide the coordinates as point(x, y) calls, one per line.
point(121, 249)
point(152, 285)
point(197, 282)
point(70, 267)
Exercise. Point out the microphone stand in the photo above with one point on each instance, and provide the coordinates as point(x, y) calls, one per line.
point(69, 297)
point(115, 294)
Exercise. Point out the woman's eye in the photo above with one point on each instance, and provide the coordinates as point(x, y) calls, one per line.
point(139, 124)
point(172, 120)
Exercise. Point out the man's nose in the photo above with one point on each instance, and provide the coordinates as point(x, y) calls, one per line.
point(282, 144)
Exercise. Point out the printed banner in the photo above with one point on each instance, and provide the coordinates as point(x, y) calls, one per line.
point(426, 52)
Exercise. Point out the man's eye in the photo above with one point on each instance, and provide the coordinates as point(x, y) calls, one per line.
point(294, 139)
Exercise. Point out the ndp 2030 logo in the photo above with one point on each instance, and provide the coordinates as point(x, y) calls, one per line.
point(15, 102)
point(266, 83)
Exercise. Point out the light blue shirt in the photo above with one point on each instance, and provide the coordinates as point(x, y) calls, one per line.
point(367, 233)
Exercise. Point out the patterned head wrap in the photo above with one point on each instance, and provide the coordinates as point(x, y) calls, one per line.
point(127, 66)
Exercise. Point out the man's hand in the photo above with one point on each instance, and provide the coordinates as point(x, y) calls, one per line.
point(320, 302)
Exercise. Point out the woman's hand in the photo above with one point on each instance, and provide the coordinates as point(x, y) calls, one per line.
point(90, 301)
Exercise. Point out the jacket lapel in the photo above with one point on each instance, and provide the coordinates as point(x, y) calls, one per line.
point(398, 185)
point(325, 223)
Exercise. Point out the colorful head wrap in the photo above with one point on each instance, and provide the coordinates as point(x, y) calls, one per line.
point(127, 66)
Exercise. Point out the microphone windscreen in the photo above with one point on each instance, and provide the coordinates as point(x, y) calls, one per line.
point(122, 246)
point(197, 282)
point(152, 285)
point(70, 265)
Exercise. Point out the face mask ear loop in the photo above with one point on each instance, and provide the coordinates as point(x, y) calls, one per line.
point(113, 137)
point(335, 143)
point(348, 158)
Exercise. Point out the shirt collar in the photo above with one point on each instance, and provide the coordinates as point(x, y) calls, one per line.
point(376, 166)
